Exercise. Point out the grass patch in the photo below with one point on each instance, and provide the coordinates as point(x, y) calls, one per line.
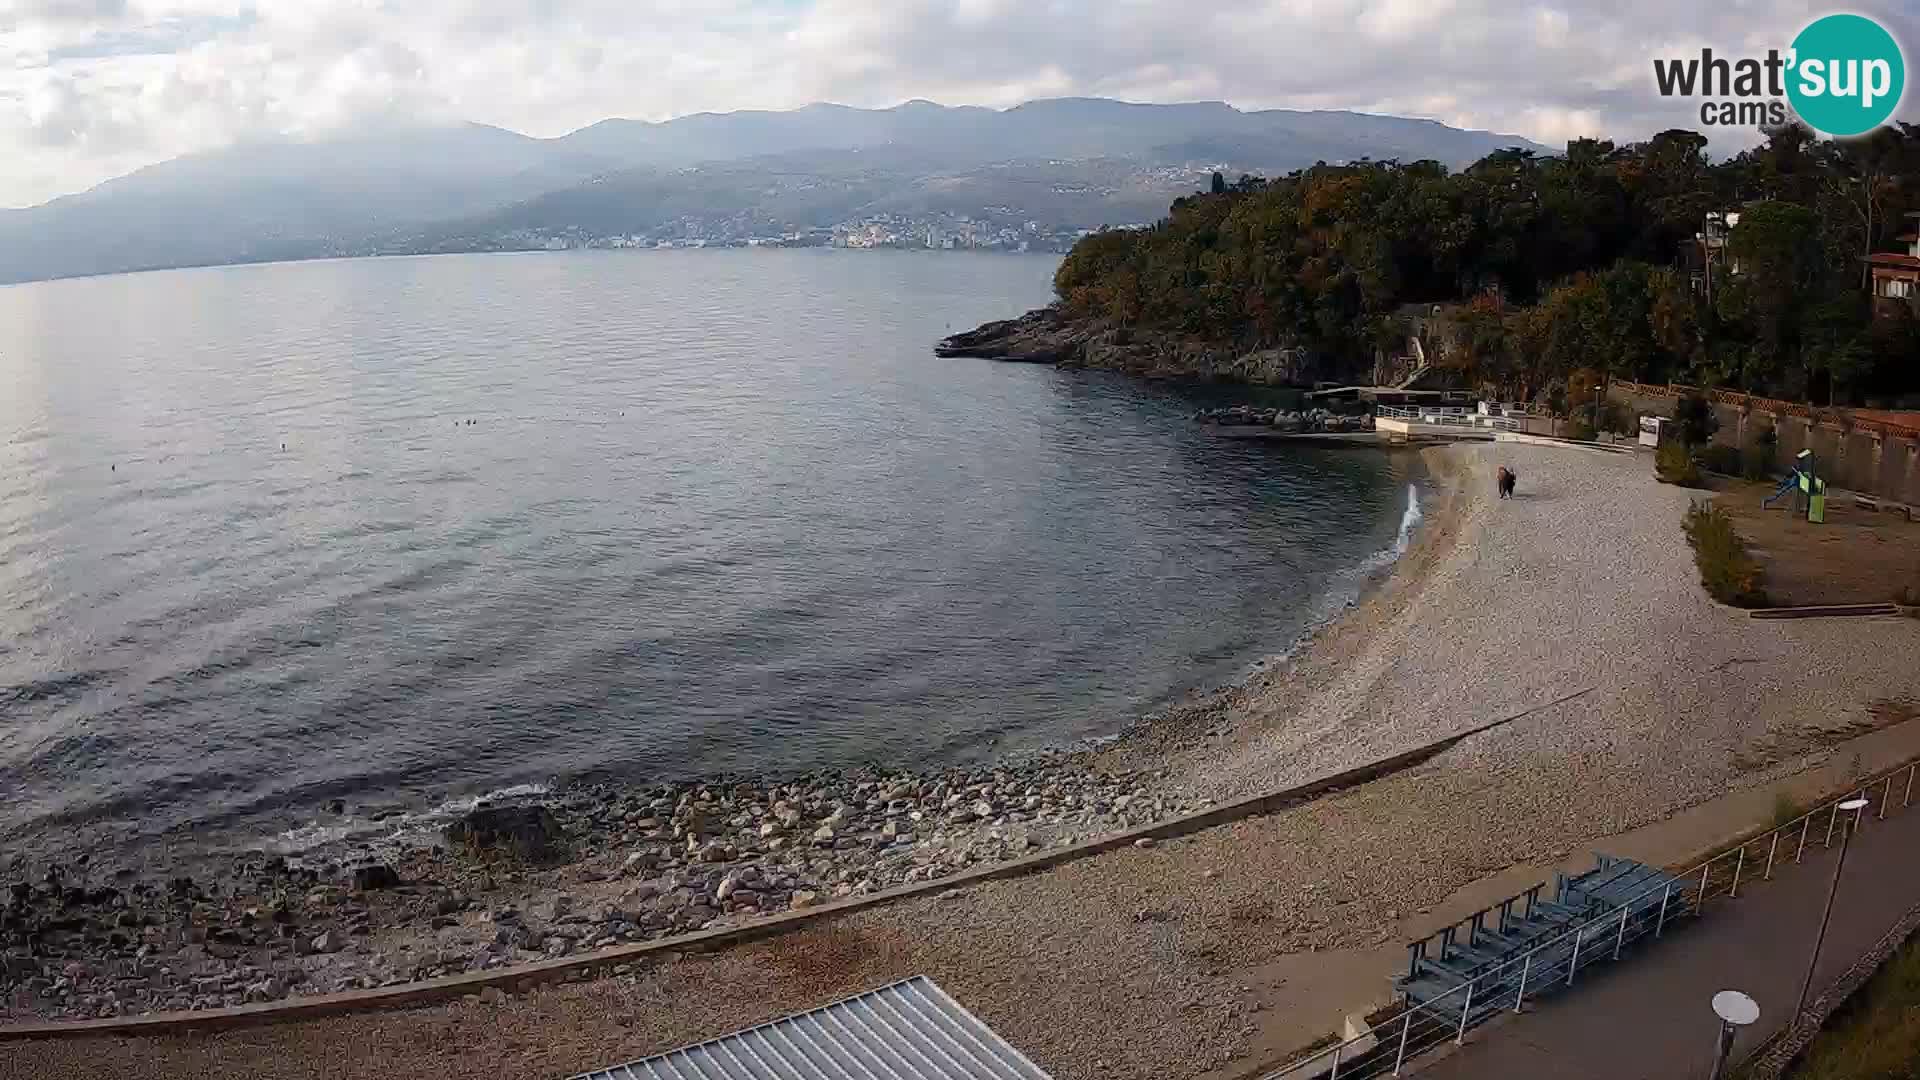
point(1727, 572)
point(1674, 464)
point(1876, 1034)
point(1784, 810)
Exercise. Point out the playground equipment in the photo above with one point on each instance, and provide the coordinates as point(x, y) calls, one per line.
point(1806, 486)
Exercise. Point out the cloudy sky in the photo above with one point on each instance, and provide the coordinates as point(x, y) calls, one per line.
point(90, 89)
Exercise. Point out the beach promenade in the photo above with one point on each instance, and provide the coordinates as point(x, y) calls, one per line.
point(1650, 1019)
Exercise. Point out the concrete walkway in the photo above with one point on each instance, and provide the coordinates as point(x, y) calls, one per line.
point(1649, 1018)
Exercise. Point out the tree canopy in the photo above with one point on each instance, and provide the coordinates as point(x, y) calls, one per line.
point(1548, 263)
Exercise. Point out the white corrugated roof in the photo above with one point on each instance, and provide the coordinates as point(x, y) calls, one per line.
point(910, 1030)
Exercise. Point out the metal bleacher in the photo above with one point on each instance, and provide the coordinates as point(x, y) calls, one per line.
point(1528, 946)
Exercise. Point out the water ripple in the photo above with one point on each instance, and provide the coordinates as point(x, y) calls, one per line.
point(409, 530)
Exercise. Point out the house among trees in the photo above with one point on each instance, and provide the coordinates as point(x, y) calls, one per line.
point(1708, 250)
point(1896, 275)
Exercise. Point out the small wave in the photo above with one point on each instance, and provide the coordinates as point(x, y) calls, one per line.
point(1347, 587)
point(396, 830)
point(59, 686)
point(1409, 522)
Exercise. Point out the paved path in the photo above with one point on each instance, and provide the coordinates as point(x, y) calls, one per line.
point(1649, 1018)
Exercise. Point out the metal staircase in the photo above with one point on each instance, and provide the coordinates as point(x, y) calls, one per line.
point(1418, 354)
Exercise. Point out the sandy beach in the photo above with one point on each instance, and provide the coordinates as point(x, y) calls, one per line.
point(1572, 609)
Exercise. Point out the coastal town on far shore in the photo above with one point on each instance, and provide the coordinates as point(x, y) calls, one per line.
point(1000, 233)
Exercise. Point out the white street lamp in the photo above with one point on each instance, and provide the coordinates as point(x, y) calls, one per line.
point(1735, 1010)
point(1853, 807)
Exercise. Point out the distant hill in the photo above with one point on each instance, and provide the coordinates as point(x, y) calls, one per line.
point(296, 199)
point(812, 190)
point(1273, 139)
point(264, 200)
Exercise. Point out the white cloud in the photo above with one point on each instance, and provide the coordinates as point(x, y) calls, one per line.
point(91, 88)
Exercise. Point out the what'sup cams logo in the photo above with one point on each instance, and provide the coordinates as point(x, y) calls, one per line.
point(1843, 75)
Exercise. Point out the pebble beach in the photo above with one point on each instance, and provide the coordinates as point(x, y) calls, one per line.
point(1570, 612)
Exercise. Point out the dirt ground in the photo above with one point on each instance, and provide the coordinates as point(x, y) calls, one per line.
point(1857, 557)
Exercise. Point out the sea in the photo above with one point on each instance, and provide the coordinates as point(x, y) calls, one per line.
point(401, 532)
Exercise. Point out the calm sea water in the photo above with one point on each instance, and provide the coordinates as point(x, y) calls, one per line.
point(397, 530)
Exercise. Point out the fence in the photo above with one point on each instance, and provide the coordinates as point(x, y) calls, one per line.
point(1385, 1048)
point(1874, 453)
point(1871, 424)
point(1446, 416)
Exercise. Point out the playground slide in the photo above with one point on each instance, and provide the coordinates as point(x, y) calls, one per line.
point(1787, 486)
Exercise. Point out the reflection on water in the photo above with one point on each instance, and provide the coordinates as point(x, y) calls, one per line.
point(419, 527)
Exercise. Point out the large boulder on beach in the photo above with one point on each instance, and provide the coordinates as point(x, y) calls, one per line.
point(374, 876)
point(530, 833)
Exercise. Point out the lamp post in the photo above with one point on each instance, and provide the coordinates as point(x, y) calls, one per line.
point(1735, 1010)
point(1853, 807)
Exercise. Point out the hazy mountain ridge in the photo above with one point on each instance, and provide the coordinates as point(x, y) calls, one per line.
point(817, 189)
point(354, 194)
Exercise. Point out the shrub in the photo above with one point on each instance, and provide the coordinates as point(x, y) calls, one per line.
point(1695, 416)
point(1618, 419)
point(1672, 464)
point(1727, 572)
point(1580, 428)
point(1759, 456)
point(1721, 459)
point(1874, 1033)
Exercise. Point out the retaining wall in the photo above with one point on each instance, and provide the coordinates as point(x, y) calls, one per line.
point(1861, 455)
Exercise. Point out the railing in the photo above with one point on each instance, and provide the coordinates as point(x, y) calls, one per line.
point(1498, 408)
point(1445, 416)
point(1386, 1047)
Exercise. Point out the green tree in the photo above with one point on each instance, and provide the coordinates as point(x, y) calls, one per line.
point(1580, 257)
point(1774, 255)
point(1695, 418)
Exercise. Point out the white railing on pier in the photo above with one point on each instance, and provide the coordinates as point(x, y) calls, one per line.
point(1446, 416)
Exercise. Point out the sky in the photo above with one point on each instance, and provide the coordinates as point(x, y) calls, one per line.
point(91, 89)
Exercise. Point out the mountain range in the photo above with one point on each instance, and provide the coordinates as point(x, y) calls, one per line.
point(1066, 163)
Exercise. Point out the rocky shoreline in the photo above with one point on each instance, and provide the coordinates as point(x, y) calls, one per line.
point(1050, 336)
point(1303, 421)
point(526, 880)
point(540, 876)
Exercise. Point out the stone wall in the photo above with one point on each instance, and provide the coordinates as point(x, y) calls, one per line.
point(1854, 455)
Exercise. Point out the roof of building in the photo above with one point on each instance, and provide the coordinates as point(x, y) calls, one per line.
point(1894, 259)
point(910, 1030)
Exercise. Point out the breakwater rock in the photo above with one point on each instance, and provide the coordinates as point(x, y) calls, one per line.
point(1051, 336)
point(1307, 420)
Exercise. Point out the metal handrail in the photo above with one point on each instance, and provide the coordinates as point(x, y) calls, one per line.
point(1365, 1055)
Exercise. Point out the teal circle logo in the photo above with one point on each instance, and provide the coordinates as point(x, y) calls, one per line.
point(1846, 74)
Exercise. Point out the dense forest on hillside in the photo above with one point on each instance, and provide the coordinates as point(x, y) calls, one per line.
point(1553, 264)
